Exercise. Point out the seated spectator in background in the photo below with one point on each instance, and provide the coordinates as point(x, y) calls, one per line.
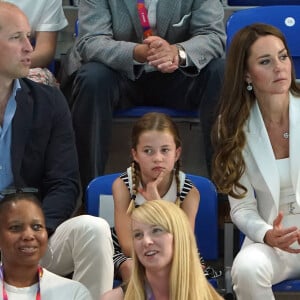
point(172, 60)
point(257, 161)
point(46, 18)
point(38, 151)
point(23, 242)
point(165, 257)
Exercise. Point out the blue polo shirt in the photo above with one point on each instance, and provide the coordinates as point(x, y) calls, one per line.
point(6, 175)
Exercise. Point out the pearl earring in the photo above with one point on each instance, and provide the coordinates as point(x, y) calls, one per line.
point(249, 87)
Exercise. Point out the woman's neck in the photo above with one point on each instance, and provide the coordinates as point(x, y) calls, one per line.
point(21, 276)
point(275, 110)
point(159, 283)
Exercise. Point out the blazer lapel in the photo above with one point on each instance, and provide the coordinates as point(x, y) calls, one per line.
point(20, 129)
point(261, 148)
point(295, 144)
point(134, 16)
point(164, 12)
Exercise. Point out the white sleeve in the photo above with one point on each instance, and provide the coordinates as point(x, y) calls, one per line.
point(82, 294)
point(53, 17)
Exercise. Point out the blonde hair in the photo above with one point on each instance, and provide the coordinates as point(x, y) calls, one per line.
point(187, 280)
point(159, 122)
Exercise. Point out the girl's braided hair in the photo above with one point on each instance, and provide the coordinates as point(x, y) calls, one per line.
point(159, 122)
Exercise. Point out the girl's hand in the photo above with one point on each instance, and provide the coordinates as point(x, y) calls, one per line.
point(282, 238)
point(150, 191)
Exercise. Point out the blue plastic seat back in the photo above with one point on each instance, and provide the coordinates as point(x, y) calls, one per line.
point(99, 197)
point(284, 17)
point(262, 2)
point(206, 224)
point(292, 285)
point(138, 111)
point(100, 189)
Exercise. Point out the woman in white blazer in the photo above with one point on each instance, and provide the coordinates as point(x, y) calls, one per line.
point(257, 161)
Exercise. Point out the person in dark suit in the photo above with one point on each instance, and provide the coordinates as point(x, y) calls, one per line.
point(173, 60)
point(38, 153)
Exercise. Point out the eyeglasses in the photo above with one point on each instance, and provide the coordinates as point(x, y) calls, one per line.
point(12, 191)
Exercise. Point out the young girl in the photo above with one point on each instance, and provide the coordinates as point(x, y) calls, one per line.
point(153, 174)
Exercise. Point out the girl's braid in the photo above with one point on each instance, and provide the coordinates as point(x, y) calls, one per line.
point(177, 168)
point(135, 183)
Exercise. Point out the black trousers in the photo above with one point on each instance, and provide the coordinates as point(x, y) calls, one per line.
point(96, 90)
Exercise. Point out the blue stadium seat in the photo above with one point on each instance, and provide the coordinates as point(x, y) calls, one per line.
point(292, 285)
point(262, 2)
point(99, 202)
point(284, 17)
point(190, 116)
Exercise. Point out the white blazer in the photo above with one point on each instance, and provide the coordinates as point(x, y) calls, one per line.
point(255, 213)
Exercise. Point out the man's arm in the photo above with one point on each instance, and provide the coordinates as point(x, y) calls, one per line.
point(49, 162)
point(43, 150)
point(60, 184)
point(44, 48)
point(107, 35)
point(207, 34)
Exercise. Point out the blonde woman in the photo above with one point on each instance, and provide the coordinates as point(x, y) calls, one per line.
point(166, 262)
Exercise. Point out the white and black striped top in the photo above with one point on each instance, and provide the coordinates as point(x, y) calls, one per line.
point(185, 186)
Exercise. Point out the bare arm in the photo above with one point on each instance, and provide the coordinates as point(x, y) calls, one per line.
point(190, 205)
point(44, 50)
point(150, 192)
point(115, 294)
point(121, 197)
